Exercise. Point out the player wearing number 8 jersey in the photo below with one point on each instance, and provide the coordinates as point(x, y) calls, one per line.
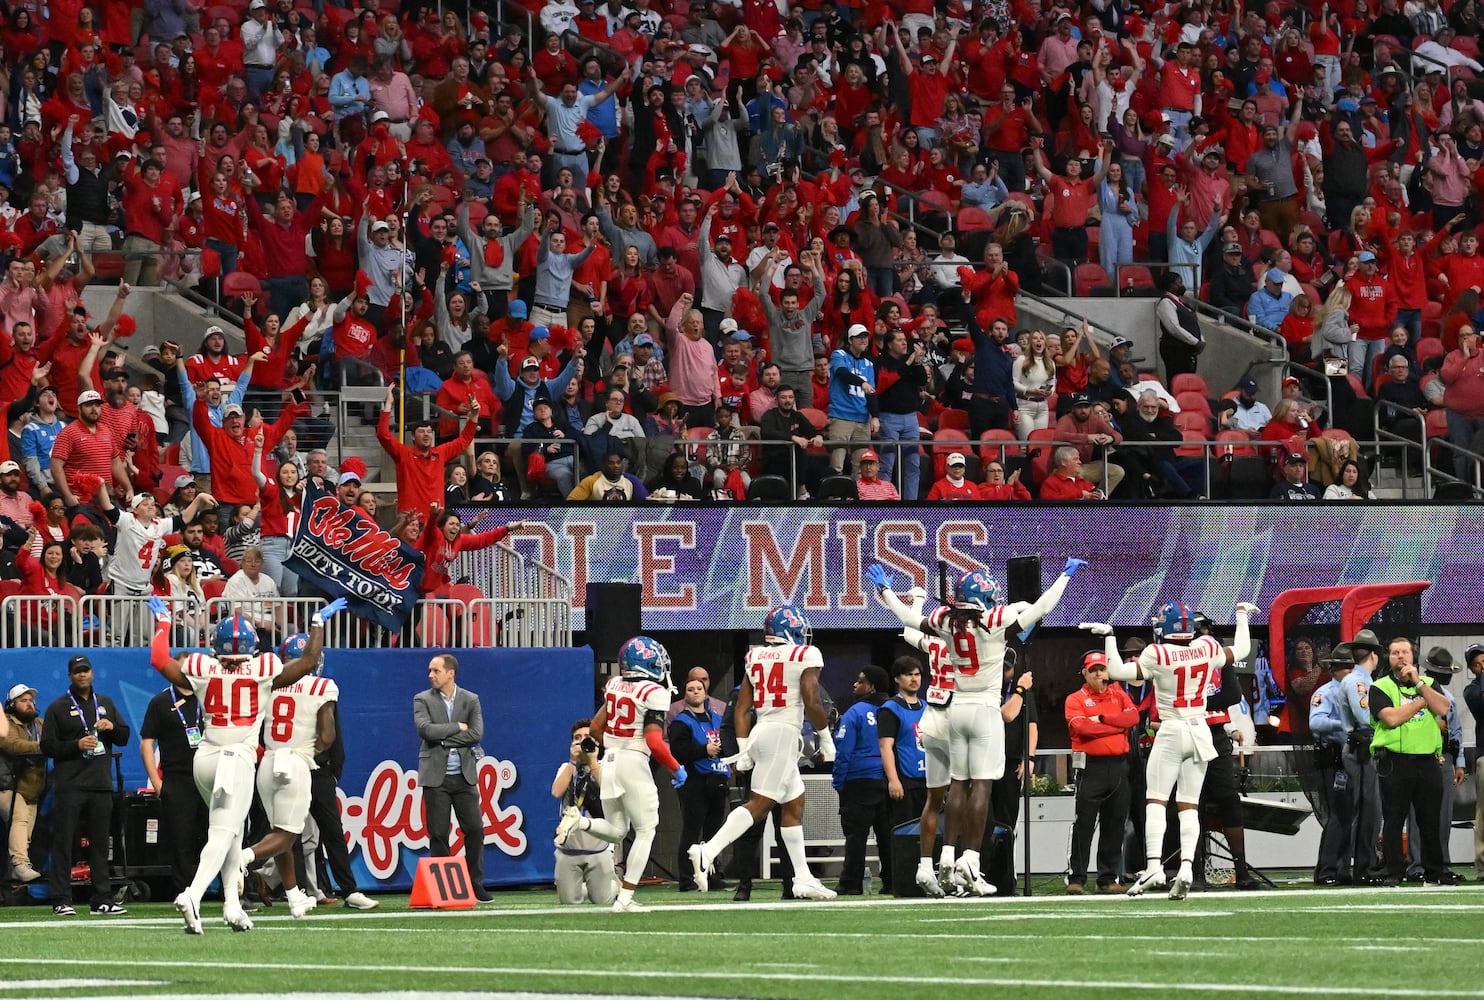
point(234, 689)
point(1181, 667)
point(974, 628)
point(780, 682)
point(631, 724)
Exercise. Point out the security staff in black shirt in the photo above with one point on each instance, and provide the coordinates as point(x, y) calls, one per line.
point(80, 731)
point(168, 738)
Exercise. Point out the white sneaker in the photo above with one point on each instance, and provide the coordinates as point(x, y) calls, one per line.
point(972, 879)
point(1180, 888)
point(698, 865)
point(946, 880)
point(244, 858)
point(628, 906)
point(812, 888)
point(25, 873)
point(361, 901)
point(237, 919)
point(1153, 878)
point(928, 883)
point(570, 818)
point(190, 911)
point(300, 903)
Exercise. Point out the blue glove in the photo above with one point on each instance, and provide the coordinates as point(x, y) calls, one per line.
point(332, 609)
point(159, 609)
point(679, 778)
point(1073, 565)
point(878, 575)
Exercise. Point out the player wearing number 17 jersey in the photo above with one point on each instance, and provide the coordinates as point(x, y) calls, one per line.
point(932, 736)
point(780, 682)
point(1181, 667)
point(974, 628)
point(234, 688)
point(631, 724)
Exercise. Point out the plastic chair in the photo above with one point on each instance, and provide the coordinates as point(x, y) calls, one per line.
point(696, 453)
point(954, 420)
point(1429, 347)
point(1188, 382)
point(1191, 450)
point(212, 589)
point(1089, 277)
point(948, 442)
point(1191, 422)
point(1136, 279)
point(974, 219)
point(999, 445)
point(1235, 444)
point(1040, 445)
point(769, 488)
point(241, 283)
point(818, 418)
point(838, 488)
point(1194, 402)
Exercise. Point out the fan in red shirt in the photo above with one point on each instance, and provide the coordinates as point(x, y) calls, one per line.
point(420, 464)
point(231, 448)
point(954, 485)
point(67, 348)
point(927, 83)
point(442, 540)
point(1065, 481)
point(85, 452)
point(213, 362)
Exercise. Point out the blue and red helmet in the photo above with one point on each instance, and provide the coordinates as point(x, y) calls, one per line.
point(1172, 622)
point(235, 638)
point(786, 623)
point(977, 589)
point(644, 658)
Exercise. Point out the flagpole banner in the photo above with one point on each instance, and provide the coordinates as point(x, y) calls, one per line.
point(529, 699)
point(345, 553)
point(705, 566)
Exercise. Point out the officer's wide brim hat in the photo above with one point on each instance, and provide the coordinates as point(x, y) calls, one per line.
point(1365, 639)
point(1440, 661)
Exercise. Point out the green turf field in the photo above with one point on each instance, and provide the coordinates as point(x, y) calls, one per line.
point(1408, 942)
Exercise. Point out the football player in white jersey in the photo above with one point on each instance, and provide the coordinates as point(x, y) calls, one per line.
point(137, 550)
point(780, 682)
point(233, 687)
point(974, 628)
point(631, 725)
point(933, 738)
point(301, 720)
point(1180, 667)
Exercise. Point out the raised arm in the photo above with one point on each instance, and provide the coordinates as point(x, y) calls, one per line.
point(295, 670)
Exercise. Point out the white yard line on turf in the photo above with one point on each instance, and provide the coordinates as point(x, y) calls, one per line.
point(1367, 990)
point(21, 985)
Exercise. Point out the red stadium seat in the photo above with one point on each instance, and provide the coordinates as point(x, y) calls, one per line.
point(1194, 402)
point(1040, 444)
point(953, 420)
point(1188, 420)
point(1427, 348)
point(1189, 382)
point(973, 220)
point(818, 418)
point(1235, 444)
point(1193, 448)
point(998, 445)
point(1090, 277)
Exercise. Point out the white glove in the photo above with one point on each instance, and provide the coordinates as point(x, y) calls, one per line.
point(1245, 608)
point(1097, 628)
point(741, 760)
point(826, 747)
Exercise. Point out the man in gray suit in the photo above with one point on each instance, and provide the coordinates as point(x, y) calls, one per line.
point(450, 723)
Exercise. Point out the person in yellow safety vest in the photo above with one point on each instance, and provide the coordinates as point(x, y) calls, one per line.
point(1407, 745)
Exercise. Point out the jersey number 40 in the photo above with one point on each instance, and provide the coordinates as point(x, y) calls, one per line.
point(234, 705)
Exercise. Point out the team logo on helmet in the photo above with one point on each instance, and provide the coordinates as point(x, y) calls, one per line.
point(643, 657)
point(1172, 621)
point(977, 589)
point(786, 623)
point(235, 638)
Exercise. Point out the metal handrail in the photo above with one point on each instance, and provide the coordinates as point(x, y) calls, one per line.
point(1276, 343)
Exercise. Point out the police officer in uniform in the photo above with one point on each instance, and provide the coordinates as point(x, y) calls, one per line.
point(1407, 746)
point(584, 864)
point(1327, 725)
point(695, 740)
point(1360, 767)
point(902, 757)
point(860, 781)
point(79, 733)
point(168, 738)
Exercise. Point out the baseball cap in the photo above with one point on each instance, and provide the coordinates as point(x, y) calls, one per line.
point(257, 5)
point(529, 363)
point(379, 116)
point(1232, 248)
point(89, 397)
point(1294, 458)
point(8, 467)
point(518, 309)
point(868, 456)
point(1121, 342)
point(857, 330)
point(380, 226)
point(139, 498)
point(644, 340)
point(729, 325)
point(78, 664)
point(114, 373)
point(739, 336)
point(19, 690)
point(540, 333)
point(232, 409)
point(957, 459)
point(213, 329)
point(1366, 257)
point(1275, 276)
point(348, 477)
point(722, 238)
point(181, 482)
point(1247, 385)
point(1081, 399)
point(1473, 651)
point(1290, 380)
point(770, 225)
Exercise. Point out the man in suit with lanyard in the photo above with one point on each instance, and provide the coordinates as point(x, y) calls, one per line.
point(451, 724)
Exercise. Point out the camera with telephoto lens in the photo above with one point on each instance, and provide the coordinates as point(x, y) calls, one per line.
point(588, 745)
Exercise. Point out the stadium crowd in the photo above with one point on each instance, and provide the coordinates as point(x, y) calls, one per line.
point(634, 232)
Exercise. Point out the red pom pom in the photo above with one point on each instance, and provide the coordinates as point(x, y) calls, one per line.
point(354, 464)
point(86, 486)
point(450, 254)
point(588, 132)
point(563, 338)
point(837, 156)
point(38, 512)
point(125, 326)
point(363, 283)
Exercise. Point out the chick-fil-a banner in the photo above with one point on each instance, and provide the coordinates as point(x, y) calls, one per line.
point(723, 566)
point(529, 698)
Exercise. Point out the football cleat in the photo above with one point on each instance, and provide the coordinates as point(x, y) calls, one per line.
point(928, 883)
point(1152, 878)
point(237, 919)
point(570, 818)
point(629, 905)
point(1180, 888)
point(300, 903)
point(973, 880)
point(190, 911)
point(812, 888)
point(699, 865)
point(946, 879)
point(244, 858)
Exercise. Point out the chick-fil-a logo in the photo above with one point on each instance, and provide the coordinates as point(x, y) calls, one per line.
point(389, 816)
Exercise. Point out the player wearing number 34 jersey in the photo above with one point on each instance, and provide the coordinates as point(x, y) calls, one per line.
point(1181, 667)
point(234, 687)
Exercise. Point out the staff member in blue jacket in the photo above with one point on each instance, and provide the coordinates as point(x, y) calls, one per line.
point(1327, 723)
point(901, 754)
point(695, 740)
point(860, 781)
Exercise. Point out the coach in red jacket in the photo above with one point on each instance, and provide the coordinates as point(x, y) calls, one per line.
point(1099, 717)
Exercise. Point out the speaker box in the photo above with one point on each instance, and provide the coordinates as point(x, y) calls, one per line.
point(614, 616)
point(1023, 578)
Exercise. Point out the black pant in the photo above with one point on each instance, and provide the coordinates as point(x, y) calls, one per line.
point(909, 807)
point(703, 809)
point(746, 852)
point(988, 413)
point(68, 811)
point(1102, 799)
point(1179, 358)
point(1334, 842)
point(183, 817)
point(464, 798)
point(1410, 780)
point(1004, 799)
point(864, 806)
point(1069, 244)
point(324, 809)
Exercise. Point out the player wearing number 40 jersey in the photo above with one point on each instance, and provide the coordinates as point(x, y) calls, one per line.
point(631, 726)
point(780, 682)
point(234, 688)
point(974, 630)
point(1181, 667)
